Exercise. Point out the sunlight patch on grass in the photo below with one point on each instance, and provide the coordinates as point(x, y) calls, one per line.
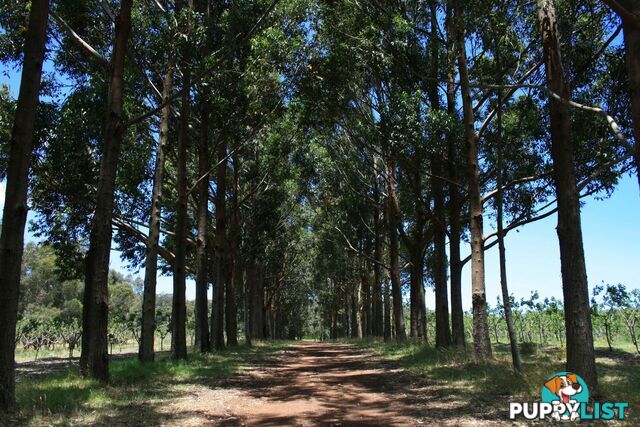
point(135, 389)
point(619, 371)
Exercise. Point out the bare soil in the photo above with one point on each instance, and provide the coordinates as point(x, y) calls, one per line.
point(327, 384)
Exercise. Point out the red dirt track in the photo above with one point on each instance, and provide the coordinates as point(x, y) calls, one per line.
point(325, 384)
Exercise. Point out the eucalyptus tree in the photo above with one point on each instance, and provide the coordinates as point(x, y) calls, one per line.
point(178, 308)
point(443, 334)
point(202, 338)
point(339, 233)
point(481, 342)
point(580, 354)
point(94, 360)
point(147, 335)
point(456, 203)
point(15, 202)
point(221, 251)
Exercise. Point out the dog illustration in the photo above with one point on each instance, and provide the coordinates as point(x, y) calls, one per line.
point(565, 387)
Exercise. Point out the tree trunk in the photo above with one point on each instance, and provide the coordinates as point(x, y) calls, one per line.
point(147, 335)
point(506, 303)
point(415, 248)
point(455, 205)
point(333, 328)
point(235, 264)
point(377, 303)
point(217, 327)
point(413, 305)
point(607, 333)
point(345, 315)
point(481, 340)
point(580, 353)
point(393, 224)
point(356, 327)
point(15, 204)
point(178, 306)
point(417, 286)
point(259, 302)
point(455, 267)
point(202, 265)
point(248, 299)
point(365, 309)
point(230, 322)
point(95, 360)
point(256, 301)
point(443, 334)
point(269, 321)
point(387, 309)
point(221, 246)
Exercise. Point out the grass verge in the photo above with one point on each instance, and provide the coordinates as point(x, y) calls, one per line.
point(495, 383)
point(136, 392)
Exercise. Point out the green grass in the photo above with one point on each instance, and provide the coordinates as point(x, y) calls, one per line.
point(134, 392)
point(60, 351)
point(619, 371)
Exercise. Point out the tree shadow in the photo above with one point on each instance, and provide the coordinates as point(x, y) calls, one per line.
point(347, 385)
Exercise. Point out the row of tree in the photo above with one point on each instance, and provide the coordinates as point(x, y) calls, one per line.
point(50, 310)
point(300, 155)
point(175, 205)
point(449, 117)
point(615, 316)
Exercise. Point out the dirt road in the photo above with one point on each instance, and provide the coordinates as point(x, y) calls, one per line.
point(324, 384)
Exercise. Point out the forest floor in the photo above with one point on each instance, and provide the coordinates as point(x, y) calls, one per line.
point(303, 383)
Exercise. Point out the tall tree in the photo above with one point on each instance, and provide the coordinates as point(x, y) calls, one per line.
point(455, 204)
point(234, 283)
point(481, 341)
point(217, 323)
point(14, 214)
point(443, 333)
point(580, 353)
point(394, 257)
point(506, 300)
point(378, 274)
point(94, 359)
point(420, 236)
point(202, 264)
point(147, 335)
point(178, 307)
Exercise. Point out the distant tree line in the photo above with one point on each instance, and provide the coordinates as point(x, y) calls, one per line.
point(50, 310)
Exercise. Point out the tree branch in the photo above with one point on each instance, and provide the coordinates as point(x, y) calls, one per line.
point(83, 45)
point(206, 71)
point(623, 9)
point(375, 261)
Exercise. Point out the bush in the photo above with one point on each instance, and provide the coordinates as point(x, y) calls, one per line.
point(528, 348)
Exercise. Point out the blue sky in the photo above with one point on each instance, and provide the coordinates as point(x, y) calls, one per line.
point(611, 233)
